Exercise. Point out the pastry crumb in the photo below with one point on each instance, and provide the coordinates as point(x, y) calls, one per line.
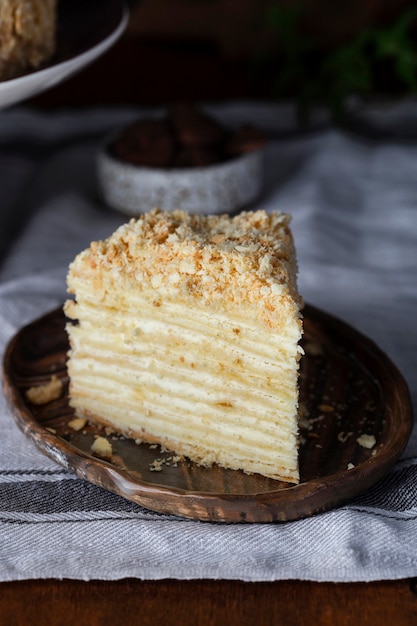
point(156, 465)
point(304, 423)
point(313, 348)
point(326, 408)
point(42, 394)
point(343, 437)
point(77, 423)
point(366, 441)
point(101, 447)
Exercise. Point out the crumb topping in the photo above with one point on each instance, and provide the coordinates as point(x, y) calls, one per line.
point(258, 232)
point(197, 255)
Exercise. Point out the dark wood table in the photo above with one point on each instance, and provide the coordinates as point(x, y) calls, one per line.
point(207, 603)
point(197, 602)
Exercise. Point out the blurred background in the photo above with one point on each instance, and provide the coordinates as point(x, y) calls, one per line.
point(309, 51)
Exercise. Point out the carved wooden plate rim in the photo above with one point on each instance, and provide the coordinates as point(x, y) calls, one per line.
point(38, 350)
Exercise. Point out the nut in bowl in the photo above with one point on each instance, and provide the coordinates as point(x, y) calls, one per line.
point(186, 159)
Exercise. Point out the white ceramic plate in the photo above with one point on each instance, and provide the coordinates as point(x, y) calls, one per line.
point(85, 31)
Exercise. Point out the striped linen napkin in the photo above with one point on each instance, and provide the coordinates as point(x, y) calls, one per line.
point(354, 208)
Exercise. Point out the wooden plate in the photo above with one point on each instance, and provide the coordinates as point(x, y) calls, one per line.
point(349, 388)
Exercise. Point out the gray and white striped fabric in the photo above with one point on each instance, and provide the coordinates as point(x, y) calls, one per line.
point(354, 208)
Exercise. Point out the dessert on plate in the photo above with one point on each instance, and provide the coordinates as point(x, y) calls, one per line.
point(27, 35)
point(184, 330)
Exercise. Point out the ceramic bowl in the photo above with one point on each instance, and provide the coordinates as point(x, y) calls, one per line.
point(220, 188)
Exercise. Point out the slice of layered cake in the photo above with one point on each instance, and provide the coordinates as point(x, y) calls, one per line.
point(27, 35)
point(186, 332)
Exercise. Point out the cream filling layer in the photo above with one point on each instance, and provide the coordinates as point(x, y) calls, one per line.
point(213, 386)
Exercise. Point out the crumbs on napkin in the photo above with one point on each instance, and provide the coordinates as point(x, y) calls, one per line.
point(42, 394)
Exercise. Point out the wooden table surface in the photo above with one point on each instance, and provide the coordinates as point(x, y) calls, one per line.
point(197, 602)
point(207, 603)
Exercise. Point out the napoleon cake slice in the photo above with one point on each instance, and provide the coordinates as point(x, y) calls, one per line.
point(185, 331)
point(27, 35)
